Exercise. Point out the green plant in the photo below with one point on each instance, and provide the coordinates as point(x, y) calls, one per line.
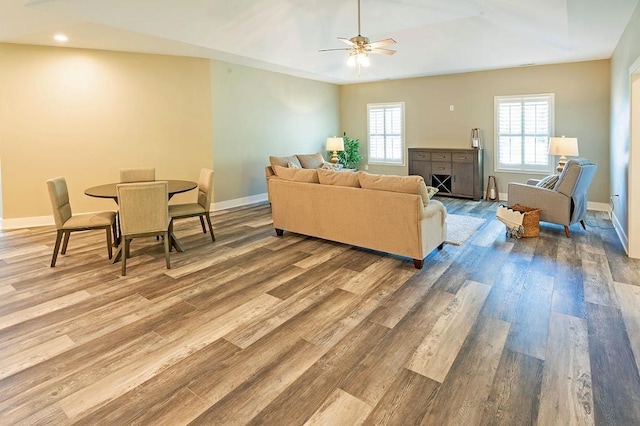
point(350, 157)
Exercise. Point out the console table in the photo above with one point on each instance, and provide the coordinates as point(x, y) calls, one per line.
point(455, 172)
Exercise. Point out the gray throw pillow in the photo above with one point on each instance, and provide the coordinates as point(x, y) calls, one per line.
point(548, 182)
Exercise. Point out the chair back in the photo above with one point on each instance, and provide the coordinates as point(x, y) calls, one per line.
point(59, 196)
point(143, 207)
point(205, 188)
point(138, 175)
point(576, 177)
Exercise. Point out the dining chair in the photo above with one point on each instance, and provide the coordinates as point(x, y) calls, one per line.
point(66, 222)
point(143, 212)
point(138, 175)
point(200, 208)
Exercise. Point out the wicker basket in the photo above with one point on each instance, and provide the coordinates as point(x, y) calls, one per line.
point(530, 221)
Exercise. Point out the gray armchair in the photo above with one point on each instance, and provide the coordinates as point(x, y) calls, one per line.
point(566, 203)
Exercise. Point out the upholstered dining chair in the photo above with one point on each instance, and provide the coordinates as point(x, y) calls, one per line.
point(66, 222)
point(144, 212)
point(566, 202)
point(200, 208)
point(138, 175)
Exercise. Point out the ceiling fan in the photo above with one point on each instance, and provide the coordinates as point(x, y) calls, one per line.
point(360, 47)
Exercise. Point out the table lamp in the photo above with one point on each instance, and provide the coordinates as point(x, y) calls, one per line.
point(335, 144)
point(563, 147)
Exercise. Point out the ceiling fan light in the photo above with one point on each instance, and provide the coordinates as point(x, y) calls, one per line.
point(363, 59)
point(351, 60)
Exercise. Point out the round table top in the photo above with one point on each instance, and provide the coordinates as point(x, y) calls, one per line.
point(108, 190)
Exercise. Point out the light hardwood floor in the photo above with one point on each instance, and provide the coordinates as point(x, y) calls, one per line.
point(256, 329)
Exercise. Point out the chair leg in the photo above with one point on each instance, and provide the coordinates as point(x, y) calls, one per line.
point(114, 228)
point(204, 230)
point(109, 243)
point(167, 246)
point(584, 226)
point(67, 234)
point(124, 255)
point(56, 248)
point(213, 237)
point(566, 231)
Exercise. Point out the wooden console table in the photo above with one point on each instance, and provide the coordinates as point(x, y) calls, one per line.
point(455, 172)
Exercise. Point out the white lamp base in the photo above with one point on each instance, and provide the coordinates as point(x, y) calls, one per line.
point(561, 163)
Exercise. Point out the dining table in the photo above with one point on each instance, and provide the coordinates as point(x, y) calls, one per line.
point(109, 190)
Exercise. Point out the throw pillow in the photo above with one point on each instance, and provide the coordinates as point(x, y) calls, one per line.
point(283, 161)
point(291, 165)
point(310, 161)
point(297, 175)
point(548, 182)
point(331, 177)
point(404, 184)
point(431, 191)
point(330, 166)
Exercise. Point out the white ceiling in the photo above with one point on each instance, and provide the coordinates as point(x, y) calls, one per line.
point(433, 36)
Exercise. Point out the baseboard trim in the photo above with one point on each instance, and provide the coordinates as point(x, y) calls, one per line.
point(26, 222)
point(621, 235)
point(239, 202)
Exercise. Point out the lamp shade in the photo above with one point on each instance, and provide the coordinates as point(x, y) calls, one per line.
point(563, 146)
point(335, 144)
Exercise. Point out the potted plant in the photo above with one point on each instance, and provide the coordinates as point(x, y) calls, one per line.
point(350, 157)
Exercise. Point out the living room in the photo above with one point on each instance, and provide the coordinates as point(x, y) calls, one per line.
point(85, 113)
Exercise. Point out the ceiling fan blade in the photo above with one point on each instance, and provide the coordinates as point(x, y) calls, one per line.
point(383, 51)
point(329, 50)
point(381, 43)
point(346, 40)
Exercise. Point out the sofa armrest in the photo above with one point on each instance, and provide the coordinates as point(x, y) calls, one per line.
point(433, 208)
point(268, 172)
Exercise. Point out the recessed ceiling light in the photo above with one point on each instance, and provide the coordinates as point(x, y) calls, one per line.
point(61, 38)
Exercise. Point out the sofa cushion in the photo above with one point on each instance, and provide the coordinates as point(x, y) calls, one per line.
point(548, 182)
point(297, 175)
point(405, 184)
point(283, 161)
point(331, 177)
point(310, 161)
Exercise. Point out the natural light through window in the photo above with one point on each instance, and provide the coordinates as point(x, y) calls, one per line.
point(523, 126)
point(386, 133)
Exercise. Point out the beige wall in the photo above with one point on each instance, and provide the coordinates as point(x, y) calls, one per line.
point(626, 53)
point(581, 110)
point(259, 113)
point(84, 114)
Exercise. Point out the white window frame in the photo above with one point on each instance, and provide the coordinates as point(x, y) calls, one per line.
point(385, 161)
point(523, 167)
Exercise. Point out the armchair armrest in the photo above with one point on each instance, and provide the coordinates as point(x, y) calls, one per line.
point(556, 207)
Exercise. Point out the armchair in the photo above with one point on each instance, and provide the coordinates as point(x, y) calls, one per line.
point(566, 203)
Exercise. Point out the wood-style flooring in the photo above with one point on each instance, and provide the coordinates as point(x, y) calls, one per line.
point(256, 329)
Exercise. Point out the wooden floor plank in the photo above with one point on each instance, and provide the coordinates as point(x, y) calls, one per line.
point(629, 297)
point(515, 393)
point(340, 408)
point(616, 390)
point(435, 355)
point(462, 397)
point(566, 396)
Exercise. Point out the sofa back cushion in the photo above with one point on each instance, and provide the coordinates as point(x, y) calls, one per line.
point(284, 161)
point(405, 184)
point(297, 175)
point(310, 161)
point(331, 177)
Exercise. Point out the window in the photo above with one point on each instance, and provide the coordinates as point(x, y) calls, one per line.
point(523, 126)
point(386, 133)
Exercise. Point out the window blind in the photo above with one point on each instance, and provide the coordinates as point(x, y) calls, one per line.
point(386, 133)
point(523, 126)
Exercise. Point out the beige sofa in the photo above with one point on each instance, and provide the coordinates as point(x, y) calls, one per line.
point(392, 214)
